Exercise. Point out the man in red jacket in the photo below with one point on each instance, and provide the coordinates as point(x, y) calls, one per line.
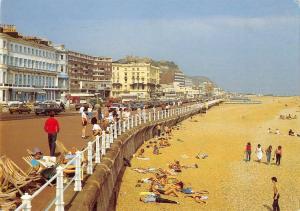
point(52, 128)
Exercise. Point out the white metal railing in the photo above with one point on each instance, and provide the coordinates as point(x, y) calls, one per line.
point(102, 143)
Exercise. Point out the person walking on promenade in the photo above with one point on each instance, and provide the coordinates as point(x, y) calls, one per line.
point(259, 152)
point(276, 195)
point(52, 128)
point(99, 113)
point(248, 151)
point(278, 155)
point(269, 154)
point(84, 122)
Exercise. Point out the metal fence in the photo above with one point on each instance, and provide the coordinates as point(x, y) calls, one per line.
point(97, 148)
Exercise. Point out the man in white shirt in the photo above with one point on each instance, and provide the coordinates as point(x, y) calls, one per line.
point(81, 109)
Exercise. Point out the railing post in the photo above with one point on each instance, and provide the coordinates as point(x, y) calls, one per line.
point(59, 202)
point(77, 183)
point(144, 117)
point(89, 168)
point(119, 127)
point(136, 120)
point(103, 145)
point(140, 119)
point(107, 140)
point(111, 135)
point(124, 126)
point(154, 115)
point(131, 120)
point(115, 131)
point(128, 123)
point(26, 200)
point(149, 113)
point(97, 155)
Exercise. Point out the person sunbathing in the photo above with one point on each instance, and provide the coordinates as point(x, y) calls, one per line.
point(199, 198)
point(291, 132)
point(175, 166)
point(141, 153)
point(173, 190)
point(67, 158)
point(37, 155)
point(164, 143)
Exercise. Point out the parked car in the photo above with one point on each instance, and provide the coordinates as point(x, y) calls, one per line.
point(46, 108)
point(79, 105)
point(19, 108)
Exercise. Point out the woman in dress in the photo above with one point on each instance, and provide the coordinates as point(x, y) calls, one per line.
point(259, 152)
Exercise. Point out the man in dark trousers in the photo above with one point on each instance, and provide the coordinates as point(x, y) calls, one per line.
point(52, 128)
point(276, 195)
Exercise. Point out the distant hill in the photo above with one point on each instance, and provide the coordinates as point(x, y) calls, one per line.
point(163, 64)
point(200, 79)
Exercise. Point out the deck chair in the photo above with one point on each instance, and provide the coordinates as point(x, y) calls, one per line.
point(27, 160)
point(16, 176)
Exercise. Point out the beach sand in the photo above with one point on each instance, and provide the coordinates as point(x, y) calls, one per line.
point(233, 184)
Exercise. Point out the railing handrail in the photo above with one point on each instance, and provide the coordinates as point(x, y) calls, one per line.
point(121, 127)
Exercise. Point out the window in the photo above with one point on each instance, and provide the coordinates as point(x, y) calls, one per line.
point(61, 68)
point(20, 79)
point(32, 51)
point(36, 52)
point(61, 57)
point(16, 61)
point(43, 53)
point(16, 79)
point(25, 80)
point(4, 44)
point(20, 49)
point(25, 62)
point(20, 62)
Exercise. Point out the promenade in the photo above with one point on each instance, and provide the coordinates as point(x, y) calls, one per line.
point(233, 184)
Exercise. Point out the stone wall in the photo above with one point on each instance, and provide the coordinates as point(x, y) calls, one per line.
point(101, 189)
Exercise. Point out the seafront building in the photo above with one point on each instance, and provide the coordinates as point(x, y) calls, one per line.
point(30, 67)
point(89, 75)
point(135, 80)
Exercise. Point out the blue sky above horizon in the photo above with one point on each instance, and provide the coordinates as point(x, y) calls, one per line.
point(243, 45)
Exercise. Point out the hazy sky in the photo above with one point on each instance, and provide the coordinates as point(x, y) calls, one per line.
point(243, 45)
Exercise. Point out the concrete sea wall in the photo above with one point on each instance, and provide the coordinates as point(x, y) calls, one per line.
point(101, 189)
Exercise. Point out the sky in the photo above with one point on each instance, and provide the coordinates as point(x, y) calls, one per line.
point(242, 45)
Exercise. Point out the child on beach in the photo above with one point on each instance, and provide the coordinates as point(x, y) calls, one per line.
point(248, 151)
point(259, 152)
point(269, 154)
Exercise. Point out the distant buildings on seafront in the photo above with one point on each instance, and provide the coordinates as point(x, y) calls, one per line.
point(35, 69)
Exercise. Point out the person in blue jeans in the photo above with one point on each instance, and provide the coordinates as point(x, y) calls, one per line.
point(269, 154)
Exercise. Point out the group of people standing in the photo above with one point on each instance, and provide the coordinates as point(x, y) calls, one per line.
point(259, 151)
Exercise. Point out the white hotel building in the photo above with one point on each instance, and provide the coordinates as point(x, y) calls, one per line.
point(31, 69)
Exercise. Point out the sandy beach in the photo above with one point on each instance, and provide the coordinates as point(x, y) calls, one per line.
point(233, 184)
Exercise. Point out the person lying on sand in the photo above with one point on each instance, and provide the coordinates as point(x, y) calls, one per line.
point(199, 198)
point(270, 130)
point(175, 166)
point(173, 190)
point(148, 197)
point(291, 132)
point(164, 143)
point(141, 153)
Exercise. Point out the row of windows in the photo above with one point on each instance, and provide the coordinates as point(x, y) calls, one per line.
point(28, 50)
point(117, 68)
point(34, 80)
point(28, 63)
